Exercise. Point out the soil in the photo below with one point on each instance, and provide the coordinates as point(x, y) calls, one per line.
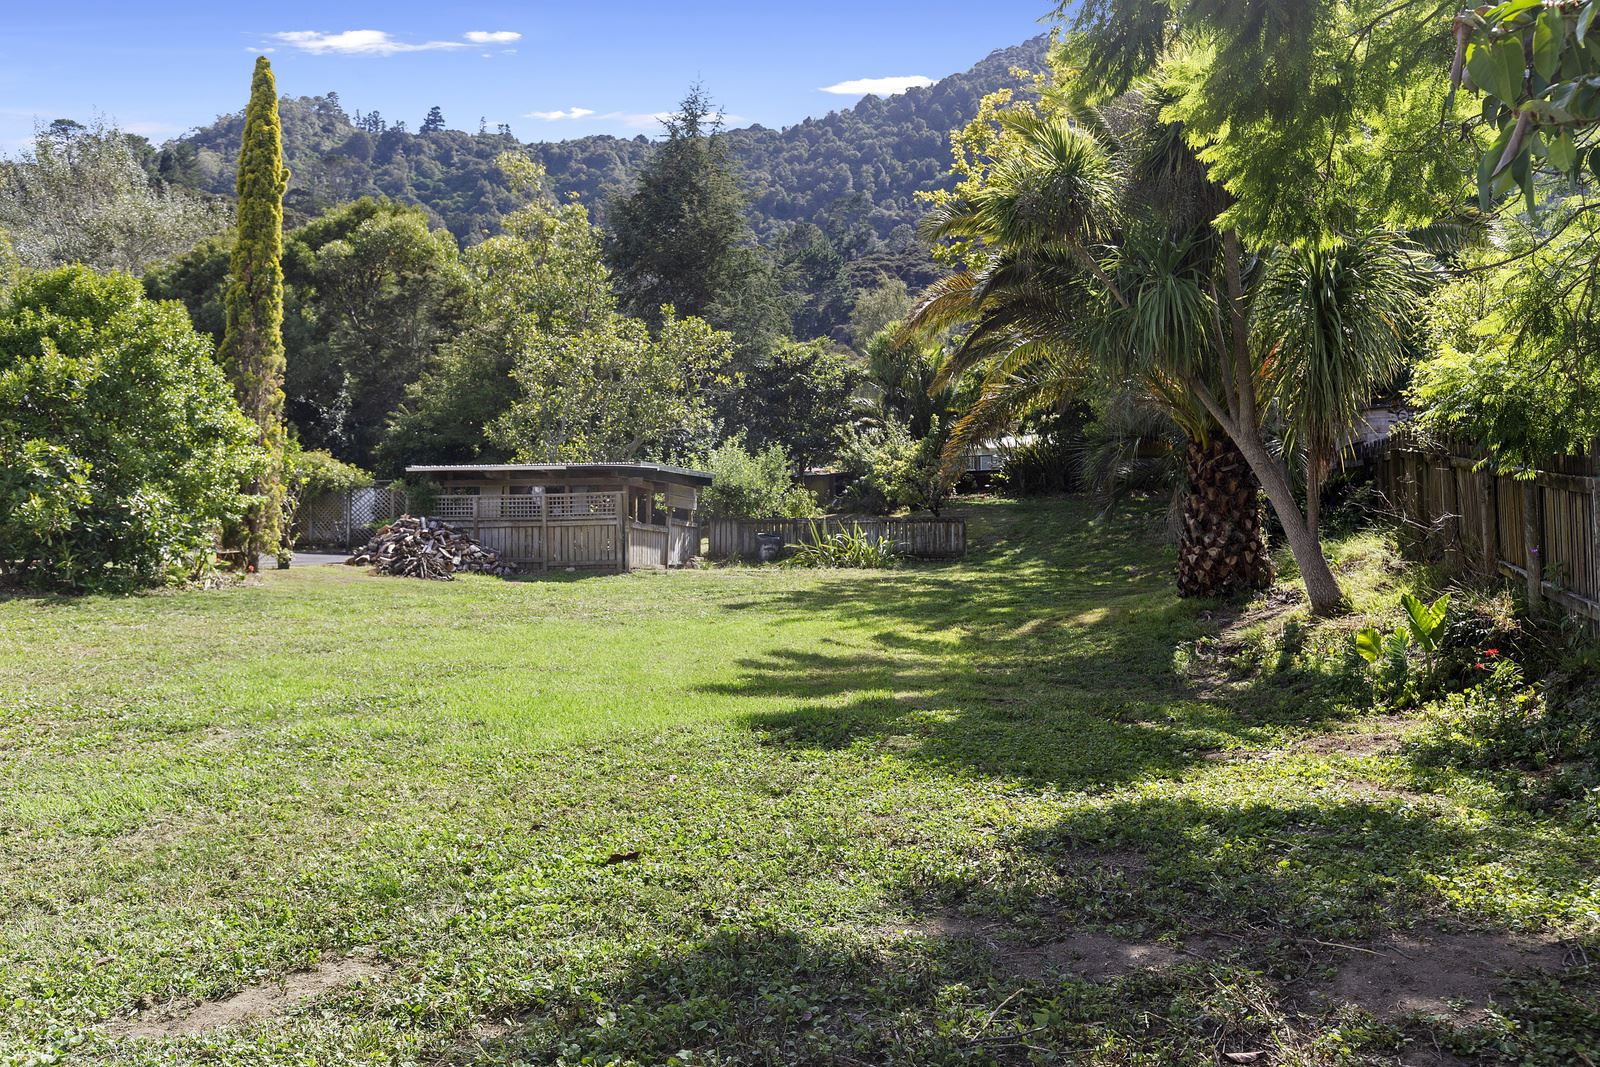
point(254, 1003)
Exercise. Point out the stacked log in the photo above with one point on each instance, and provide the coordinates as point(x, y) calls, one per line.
point(420, 547)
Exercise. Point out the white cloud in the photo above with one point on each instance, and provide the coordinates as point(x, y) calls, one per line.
point(492, 36)
point(557, 116)
point(877, 86)
point(357, 43)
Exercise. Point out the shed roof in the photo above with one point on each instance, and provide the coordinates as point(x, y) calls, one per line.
point(656, 472)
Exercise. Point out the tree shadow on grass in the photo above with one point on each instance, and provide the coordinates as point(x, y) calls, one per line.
point(1049, 661)
point(1251, 904)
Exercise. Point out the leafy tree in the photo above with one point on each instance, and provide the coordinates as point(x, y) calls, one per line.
point(543, 275)
point(903, 382)
point(813, 273)
point(754, 485)
point(1336, 325)
point(121, 448)
point(434, 122)
point(875, 310)
point(80, 195)
point(876, 461)
point(614, 392)
point(679, 238)
point(1253, 144)
point(371, 295)
point(799, 400)
point(252, 342)
point(383, 294)
point(1515, 359)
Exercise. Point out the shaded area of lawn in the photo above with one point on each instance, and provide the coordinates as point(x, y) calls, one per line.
point(739, 815)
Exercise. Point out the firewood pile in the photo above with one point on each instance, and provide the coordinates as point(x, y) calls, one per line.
point(427, 548)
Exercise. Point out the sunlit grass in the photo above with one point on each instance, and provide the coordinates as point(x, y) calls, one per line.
point(204, 790)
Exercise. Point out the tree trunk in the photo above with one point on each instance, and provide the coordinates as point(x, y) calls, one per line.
point(1322, 588)
point(1221, 550)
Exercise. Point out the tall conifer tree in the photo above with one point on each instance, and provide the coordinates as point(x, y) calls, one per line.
point(252, 345)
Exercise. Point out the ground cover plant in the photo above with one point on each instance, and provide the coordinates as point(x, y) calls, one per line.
point(1027, 808)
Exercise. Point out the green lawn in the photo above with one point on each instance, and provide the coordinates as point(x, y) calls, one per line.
point(987, 812)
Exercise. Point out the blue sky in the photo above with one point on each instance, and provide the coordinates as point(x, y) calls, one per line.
point(550, 70)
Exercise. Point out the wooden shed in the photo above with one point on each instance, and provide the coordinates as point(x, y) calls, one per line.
point(604, 516)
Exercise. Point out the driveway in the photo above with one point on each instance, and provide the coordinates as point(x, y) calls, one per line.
point(301, 559)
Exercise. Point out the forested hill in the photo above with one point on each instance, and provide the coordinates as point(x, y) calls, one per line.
point(853, 172)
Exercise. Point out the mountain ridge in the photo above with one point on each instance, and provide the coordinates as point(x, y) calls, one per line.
point(854, 172)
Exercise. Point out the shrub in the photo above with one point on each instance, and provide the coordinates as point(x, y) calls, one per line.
point(847, 548)
point(122, 450)
point(754, 485)
point(876, 459)
point(1420, 636)
point(317, 471)
point(1033, 468)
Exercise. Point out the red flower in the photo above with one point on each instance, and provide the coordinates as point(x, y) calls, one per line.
point(1491, 652)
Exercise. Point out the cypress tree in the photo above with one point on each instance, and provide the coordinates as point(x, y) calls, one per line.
point(252, 344)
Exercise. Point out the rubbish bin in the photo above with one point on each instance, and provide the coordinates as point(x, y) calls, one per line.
point(769, 546)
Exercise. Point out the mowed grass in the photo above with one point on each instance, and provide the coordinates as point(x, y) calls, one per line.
point(749, 815)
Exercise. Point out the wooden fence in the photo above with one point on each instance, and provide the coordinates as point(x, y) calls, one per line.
point(1543, 530)
point(918, 538)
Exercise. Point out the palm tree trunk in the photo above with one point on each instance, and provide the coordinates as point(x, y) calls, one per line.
point(1221, 550)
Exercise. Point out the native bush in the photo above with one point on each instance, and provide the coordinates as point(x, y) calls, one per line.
point(122, 450)
point(754, 485)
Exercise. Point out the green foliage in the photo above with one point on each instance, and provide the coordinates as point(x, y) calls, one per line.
point(1319, 119)
point(889, 469)
point(543, 276)
point(1389, 655)
point(313, 471)
point(800, 398)
point(903, 380)
point(252, 341)
point(80, 195)
point(612, 391)
point(1515, 360)
point(875, 310)
point(680, 239)
point(371, 295)
point(121, 448)
point(754, 484)
point(875, 459)
point(843, 548)
point(926, 482)
point(1536, 65)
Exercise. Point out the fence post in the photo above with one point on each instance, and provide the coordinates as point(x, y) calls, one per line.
point(1532, 534)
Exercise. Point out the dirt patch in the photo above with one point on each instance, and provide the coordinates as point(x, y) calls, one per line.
point(1383, 739)
point(254, 1003)
point(1437, 973)
point(1090, 954)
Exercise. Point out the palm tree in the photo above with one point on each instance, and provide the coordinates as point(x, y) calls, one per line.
point(1100, 263)
point(1336, 323)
